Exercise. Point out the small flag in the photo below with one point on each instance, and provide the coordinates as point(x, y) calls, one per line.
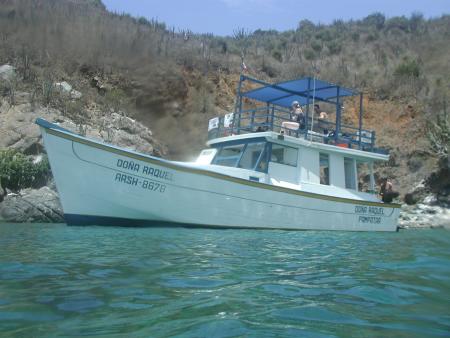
point(244, 67)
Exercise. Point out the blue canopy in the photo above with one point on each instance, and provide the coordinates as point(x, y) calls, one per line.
point(284, 93)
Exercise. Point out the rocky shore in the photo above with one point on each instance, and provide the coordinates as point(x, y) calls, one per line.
point(424, 215)
point(32, 206)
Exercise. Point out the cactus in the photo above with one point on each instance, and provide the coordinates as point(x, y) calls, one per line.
point(439, 134)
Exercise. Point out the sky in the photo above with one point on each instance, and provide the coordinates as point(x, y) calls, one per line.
point(223, 17)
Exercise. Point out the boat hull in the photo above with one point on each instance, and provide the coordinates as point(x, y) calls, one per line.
point(105, 185)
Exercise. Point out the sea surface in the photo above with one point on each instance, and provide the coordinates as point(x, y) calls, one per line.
point(60, 281)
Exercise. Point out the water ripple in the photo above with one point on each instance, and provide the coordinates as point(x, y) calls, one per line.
point(96, 281)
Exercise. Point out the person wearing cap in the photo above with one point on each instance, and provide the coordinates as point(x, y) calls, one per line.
point(298, 115)
point(297, 118)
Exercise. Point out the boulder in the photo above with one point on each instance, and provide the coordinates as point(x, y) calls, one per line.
point(18, 129)
point(75, 94)
point(411, 198)
point(66, 88)
point(419, 192)
point(439, 180)
point(63, 87)
point(7, 73)
point(32, 205)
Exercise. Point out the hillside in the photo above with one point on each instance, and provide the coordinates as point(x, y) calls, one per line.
point(174, 81)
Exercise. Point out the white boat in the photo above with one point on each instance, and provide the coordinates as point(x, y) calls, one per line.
point(252, 175)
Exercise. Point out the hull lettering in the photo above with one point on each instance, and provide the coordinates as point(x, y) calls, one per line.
point(144, 169)
point(136, 182)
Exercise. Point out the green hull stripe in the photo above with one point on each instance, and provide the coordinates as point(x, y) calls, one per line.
point(203, 172)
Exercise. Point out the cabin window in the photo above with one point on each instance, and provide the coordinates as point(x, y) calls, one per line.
point(262, 164)
point(251, 155)
point(324, 169)
point(350, 174)
point(284, 155)
point(229, 156)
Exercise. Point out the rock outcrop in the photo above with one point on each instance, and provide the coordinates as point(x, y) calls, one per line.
point(428, 214)
point(65, 88)
point(32, 205)
point(19, 131)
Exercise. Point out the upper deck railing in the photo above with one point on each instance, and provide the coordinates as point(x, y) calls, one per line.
point(316, 130)
point(278, 98)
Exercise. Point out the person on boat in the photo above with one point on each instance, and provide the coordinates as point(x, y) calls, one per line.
point(387, 192)
point(322, 120)
point(297, 119)
point(298, 115)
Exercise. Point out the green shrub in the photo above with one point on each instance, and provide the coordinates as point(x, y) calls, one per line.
point(334, 47)
point(355, 36)
point(372, 37)
point(309, 54)
point(143, 21)
point(115, 98)
point(409, 68)
point(277, 56)
point(324, 35)
point(18, 172)
point(376, 20)
point(316, 46)
point(399, 22)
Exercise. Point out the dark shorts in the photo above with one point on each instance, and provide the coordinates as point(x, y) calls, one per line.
point(389, 196)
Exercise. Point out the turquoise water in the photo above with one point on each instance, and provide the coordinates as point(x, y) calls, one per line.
point(157, 282)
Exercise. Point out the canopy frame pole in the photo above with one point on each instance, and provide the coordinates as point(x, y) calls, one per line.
point(238, 106)
point(313, 104)
point(272, 118)
point(307, 107)
point(372, 178)
point(360, 118)
point(338, 116)
point(240, 115)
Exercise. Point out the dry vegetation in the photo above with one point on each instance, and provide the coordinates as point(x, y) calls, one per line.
point(175, 80)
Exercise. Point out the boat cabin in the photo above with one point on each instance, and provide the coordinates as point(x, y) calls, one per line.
point(265, 140)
